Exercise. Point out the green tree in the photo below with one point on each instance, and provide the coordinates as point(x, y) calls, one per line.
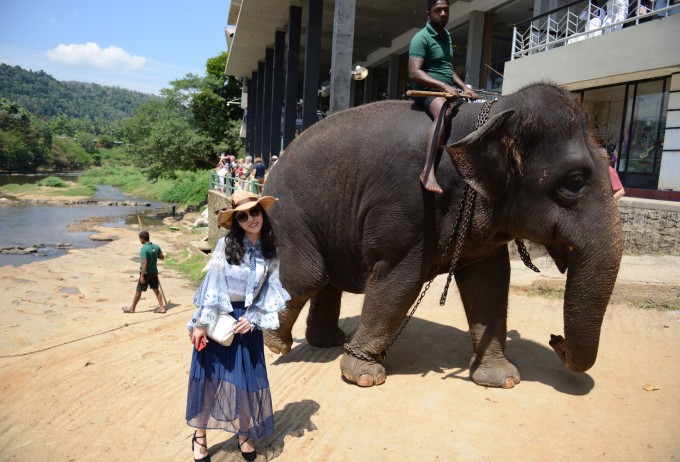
point(186, 129)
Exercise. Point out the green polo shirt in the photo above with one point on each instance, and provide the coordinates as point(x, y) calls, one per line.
point(437, 53)
point(149, 253)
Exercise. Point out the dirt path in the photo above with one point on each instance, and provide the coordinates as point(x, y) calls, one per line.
point(81, 381)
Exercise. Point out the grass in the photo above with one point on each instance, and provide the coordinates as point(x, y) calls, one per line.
point(189, 264)
point(69, 189)
point(660, 305)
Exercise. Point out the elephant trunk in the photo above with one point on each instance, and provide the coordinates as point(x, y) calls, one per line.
point(591, 275)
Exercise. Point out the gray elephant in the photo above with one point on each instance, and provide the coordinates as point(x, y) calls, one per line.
point(353, 217)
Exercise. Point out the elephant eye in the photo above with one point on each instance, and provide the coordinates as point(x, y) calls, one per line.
point(572, 185)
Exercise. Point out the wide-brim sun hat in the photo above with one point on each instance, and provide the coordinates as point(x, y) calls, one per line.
point(240, 202)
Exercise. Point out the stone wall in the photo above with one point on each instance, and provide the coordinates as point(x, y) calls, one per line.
point(216, 201)
point(650, 226)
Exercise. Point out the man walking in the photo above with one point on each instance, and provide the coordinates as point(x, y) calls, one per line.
point(148, 273)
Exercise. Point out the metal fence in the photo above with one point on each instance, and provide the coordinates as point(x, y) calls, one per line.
point(229, 184)
point(581, 20)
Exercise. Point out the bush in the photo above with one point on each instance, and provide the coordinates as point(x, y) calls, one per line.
point(191, 189)
point(52, 182)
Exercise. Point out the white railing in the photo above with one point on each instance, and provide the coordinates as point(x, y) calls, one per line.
point(582, 20)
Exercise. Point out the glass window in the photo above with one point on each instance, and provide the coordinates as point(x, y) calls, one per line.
point(644, 126)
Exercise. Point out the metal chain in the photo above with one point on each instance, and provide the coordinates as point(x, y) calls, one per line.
point(484, 112)
point(456, 251)
point(524, 255)
point(469, 196)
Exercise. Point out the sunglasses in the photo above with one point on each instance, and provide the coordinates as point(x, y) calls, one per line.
point(254, 212)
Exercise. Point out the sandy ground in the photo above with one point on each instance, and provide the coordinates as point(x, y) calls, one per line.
point(81, 381)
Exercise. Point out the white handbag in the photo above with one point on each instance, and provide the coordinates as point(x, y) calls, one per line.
point(222, 330)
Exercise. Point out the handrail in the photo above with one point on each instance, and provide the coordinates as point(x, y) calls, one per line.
point(548, 13)
point(564, 25)
point(231, 186)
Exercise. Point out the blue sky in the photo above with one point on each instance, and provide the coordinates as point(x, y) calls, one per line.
point(141, 45)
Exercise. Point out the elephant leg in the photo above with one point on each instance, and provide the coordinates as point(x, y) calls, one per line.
point(386, 302)
point(322, 322)
point(483, 288)
point(280, 341)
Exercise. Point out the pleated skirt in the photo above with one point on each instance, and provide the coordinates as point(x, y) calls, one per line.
point(229, 388)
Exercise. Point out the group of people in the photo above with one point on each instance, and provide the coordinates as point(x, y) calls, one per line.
point(242, 174)
point(228, 386)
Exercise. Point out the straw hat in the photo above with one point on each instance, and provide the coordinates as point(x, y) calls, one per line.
point(241, 201)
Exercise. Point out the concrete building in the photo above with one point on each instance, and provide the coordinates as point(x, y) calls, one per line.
point(298, 62)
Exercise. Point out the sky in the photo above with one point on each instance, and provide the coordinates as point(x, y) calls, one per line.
point(140, 45)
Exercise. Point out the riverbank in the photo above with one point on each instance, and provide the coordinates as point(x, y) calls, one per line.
point(82, 381)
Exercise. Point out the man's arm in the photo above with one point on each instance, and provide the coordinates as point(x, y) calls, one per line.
point(418, 75)
point(160, 255)
point(142, 272)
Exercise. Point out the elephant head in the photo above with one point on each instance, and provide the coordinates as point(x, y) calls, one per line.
point(540, 178)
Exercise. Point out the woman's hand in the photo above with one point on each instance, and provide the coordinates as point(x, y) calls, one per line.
point(196, 334)
point(242, 326)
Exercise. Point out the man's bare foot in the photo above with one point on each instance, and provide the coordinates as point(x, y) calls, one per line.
point(127, 309)
point(431, 183)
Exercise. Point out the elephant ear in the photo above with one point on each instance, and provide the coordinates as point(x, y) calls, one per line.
point(481, 157)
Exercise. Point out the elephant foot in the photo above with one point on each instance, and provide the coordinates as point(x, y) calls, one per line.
point(503, 375)
point(326, 339)
point(363, 373)
point(277, 343)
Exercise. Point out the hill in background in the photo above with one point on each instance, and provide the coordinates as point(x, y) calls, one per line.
point(42, 94)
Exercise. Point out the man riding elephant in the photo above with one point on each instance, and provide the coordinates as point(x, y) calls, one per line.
point(430, 67)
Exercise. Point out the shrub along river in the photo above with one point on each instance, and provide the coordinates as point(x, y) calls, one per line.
point(46, 226)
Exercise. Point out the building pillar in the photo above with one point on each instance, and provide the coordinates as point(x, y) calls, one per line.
point(310, 94)
point(292, 71)
point(257, 145)
point(277, 96)
point(341, 54)
point(368, 86)
point(473, 60)
point(393, 77)
point(267, 106)
point(250, 112)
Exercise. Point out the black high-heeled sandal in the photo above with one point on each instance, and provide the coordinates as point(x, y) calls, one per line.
point(249, 456)
point(195, 440)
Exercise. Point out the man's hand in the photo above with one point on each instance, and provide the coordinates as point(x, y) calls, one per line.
point(470, 93)
point(141, 278)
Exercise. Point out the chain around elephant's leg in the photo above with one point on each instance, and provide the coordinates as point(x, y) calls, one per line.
point(362, 372)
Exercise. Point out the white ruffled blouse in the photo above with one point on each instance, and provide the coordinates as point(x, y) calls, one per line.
point(255, 281)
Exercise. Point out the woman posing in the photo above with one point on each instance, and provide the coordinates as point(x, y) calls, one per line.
point(228, 385)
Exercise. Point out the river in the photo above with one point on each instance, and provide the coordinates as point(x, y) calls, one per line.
point(31, 225)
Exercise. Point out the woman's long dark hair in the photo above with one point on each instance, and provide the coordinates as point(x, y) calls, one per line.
point(234, 247)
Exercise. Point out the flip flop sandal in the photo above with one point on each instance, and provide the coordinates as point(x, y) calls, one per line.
point(127, 310)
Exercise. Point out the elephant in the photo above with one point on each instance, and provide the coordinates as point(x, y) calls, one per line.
point(352, 216)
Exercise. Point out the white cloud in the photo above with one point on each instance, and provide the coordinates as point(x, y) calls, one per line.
point(92, 55)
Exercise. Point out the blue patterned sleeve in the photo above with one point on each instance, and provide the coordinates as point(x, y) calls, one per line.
point(212, 295)
point(272, 298)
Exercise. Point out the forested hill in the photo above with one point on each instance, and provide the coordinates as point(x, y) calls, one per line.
point(42, 94)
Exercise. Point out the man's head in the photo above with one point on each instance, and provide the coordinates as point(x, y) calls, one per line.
point(144, 236)
point(438, 13)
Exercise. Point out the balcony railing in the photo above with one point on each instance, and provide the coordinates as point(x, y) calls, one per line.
point(581, 20)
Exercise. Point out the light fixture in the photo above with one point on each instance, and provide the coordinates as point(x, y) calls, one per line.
point(359, 73)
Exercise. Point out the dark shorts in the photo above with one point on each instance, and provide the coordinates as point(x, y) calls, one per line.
point(424, 102)
point(149, 280)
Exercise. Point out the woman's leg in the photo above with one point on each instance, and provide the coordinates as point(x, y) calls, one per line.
point(200, 444)
point(427, 177)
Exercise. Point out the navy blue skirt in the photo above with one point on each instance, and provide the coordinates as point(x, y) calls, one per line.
point(228, 386)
